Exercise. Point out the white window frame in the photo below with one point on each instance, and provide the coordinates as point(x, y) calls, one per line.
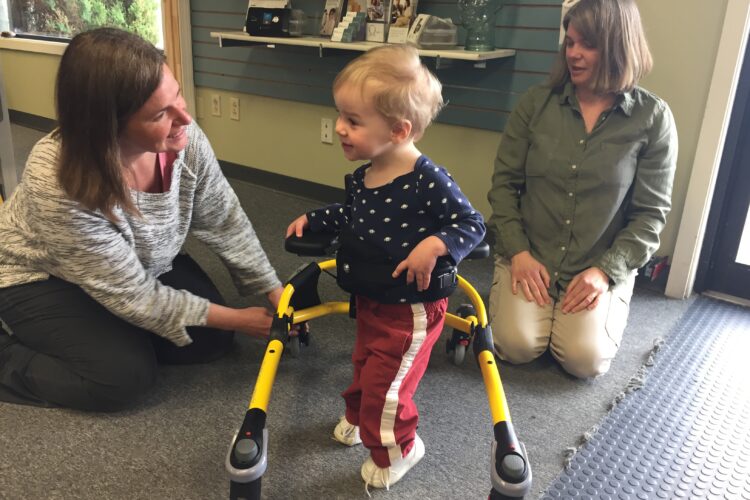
point(178, 46)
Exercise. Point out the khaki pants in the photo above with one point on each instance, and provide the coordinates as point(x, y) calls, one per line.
point(584, 342)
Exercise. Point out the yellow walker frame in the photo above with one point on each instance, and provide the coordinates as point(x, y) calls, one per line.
point(246, 459)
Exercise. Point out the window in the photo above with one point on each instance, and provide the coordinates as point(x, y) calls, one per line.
point(64, 19)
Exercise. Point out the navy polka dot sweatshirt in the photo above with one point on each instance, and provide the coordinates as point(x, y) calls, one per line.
point(397, 216)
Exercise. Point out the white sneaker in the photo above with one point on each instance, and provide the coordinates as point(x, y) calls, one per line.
point(346, 433)
point(378, 477)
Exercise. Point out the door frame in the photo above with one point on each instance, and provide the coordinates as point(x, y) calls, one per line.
point(717, 247)
point(708, 154)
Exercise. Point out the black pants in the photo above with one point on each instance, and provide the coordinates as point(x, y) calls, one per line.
point(68, 350)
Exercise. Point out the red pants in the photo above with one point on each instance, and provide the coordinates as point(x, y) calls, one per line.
point(390, 356)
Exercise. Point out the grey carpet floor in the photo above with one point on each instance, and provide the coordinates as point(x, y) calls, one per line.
point(173, 445)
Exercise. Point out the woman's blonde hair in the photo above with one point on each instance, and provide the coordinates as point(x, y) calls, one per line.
point(399, 85)
point(614, 27)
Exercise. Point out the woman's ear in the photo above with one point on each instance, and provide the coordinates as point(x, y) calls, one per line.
point(401, 131)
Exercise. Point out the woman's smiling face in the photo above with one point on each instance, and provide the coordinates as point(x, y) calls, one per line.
point(159, 125)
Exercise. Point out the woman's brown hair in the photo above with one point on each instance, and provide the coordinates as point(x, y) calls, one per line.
point(105, 76)
point(614, 27)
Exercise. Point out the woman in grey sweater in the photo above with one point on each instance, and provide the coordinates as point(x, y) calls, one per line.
point(93, 289)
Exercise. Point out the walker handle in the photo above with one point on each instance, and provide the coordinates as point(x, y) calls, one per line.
point(312, 244)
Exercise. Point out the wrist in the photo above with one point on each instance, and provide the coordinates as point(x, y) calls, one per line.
point(223, 318)
point(603, 275)
point(437, 247)
point(519, 255)
point(274, 296)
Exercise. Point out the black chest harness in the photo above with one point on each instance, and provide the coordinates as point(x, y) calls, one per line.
point(364, 269)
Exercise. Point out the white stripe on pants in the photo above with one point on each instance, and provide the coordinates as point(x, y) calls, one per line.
point(388, 418)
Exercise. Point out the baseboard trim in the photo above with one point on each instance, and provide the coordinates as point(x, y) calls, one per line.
point(32, 121)
point(283, 183)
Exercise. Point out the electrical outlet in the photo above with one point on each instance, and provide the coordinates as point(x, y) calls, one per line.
point(234, 108)
point(326, 130)
point(215, 104)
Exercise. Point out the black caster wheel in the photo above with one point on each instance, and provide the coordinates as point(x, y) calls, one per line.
point(302, 336)
point(458, 343)
point(293, 346)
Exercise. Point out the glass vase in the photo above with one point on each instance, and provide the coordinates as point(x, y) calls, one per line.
point(478, 19)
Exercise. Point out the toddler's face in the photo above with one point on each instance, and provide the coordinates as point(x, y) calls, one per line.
point(364, 133)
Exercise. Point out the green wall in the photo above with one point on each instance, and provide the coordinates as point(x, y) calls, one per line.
point(476, 98)
point(283, 136)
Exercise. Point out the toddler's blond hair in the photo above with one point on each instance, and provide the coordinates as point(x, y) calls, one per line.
point(398, 84)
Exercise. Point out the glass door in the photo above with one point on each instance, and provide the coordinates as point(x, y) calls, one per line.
point(725, 258)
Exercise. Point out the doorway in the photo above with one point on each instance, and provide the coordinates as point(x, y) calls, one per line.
point(725, 258)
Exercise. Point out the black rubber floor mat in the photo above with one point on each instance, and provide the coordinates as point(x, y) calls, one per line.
point(686, 432)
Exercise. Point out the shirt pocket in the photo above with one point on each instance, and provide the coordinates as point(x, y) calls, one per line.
point(618, 164)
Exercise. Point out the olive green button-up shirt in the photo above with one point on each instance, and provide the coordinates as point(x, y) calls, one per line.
point(576, 199)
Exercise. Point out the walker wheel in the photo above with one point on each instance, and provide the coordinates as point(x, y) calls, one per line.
point(456, 345)
point(297, 338)
point(458, 354)
point(465, 310)
point(293, 347)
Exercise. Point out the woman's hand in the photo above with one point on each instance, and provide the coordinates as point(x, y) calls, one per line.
point(531, 276)
point(421, 261)
point(298, 226)
point(252, 321)
point(256, 322)
point(584, 290)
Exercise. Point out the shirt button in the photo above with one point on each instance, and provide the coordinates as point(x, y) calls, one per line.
point(581, 141)
point(573, 167)
point(567, 221)
point(570, 194)
point(556, 273)
point(562, 248)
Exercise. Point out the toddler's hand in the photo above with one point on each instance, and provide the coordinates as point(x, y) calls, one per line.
point(421, 261)
point(298, 226)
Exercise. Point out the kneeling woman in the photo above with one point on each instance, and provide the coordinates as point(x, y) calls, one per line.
point(581, 190)
point(93, 288)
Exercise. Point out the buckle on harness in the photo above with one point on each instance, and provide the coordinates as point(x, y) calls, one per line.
point(448, 279)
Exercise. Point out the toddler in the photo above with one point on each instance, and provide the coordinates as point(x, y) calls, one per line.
point(404, 227)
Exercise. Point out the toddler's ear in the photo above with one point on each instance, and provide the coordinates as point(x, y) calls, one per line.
point(401, 131)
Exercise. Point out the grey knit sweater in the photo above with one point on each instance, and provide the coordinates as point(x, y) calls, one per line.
point(42, 233)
